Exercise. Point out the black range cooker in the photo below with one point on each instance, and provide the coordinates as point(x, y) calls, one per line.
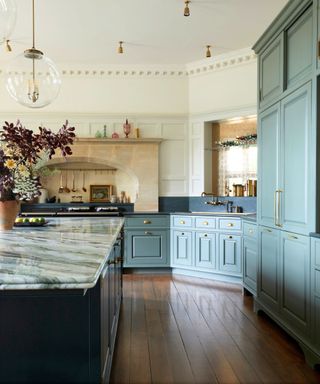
point(73, 209)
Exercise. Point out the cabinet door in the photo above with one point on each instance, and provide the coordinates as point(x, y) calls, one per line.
point(146, 248)
point(182, 248)
point(271, 71)
point(295, 196)
point(205, 245)
point(269, 146)
point(105, 323)
point(295, 257)
point(250, 264)
point(269, 268)
point(230, 253)
point(299, 49)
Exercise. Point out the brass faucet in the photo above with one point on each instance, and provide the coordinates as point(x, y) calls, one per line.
point(215, 201)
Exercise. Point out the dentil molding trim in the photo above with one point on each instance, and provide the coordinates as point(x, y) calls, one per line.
point(218, 63)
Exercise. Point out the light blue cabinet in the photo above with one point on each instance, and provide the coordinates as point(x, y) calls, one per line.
point(295, 197)
point(147, 241)
point(271, 71)
point(315, 292)
point(268, 164)
point(285, 197)
point(269, 268)
point(182, 248)
point(230, 253)
point(299, 49)
point(295, 281)
point(250, 257)
point(205, 250)
point(207, 244)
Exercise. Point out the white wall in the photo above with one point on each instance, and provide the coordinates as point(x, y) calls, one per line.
point(159, 101)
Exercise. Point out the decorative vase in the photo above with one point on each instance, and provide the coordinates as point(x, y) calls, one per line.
point(9, 210)
point(126, 128)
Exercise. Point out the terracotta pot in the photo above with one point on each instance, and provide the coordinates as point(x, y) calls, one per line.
point(9, 210)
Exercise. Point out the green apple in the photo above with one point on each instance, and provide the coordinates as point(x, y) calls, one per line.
point(33, 220)
point(25, 220)
point(42, 220)
point(19, 220)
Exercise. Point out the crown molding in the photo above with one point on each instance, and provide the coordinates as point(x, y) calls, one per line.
point(217, 63)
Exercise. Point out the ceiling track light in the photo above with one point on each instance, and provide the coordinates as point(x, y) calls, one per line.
point(208, 51)
point(120, 48)
point(186, 8)
point(32, 78)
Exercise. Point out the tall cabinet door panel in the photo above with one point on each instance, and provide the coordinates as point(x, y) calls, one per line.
point(296, 126)
point(268, 136)
point(182, 248)
point(299, 48)
point(205, 250)
point(230, 253)
point(295, 257)
point(269, 268)
point(271, 71)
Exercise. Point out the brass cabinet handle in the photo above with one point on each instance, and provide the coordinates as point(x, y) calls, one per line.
point(230, 225)
point(146, 222)
point(148, 233)
point(267, 230)
point(205, 223)
point(319, 49)
point(182, 222)
point(230, 237)
point(293, 237)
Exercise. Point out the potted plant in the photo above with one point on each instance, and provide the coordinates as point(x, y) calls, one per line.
point(21, 152)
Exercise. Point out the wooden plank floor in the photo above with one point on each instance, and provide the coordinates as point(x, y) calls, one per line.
point(176, 329)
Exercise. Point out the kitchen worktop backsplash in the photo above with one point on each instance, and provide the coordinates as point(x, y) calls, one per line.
point(197, 203)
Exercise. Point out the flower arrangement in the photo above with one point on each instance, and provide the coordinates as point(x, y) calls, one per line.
point(21, 152)
point(239, 141)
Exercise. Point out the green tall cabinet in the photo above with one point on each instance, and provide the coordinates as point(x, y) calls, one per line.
point(287, 139)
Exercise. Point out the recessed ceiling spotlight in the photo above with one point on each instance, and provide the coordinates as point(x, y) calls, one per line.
point(120, 48)
point(208, 51)
point(186, 8)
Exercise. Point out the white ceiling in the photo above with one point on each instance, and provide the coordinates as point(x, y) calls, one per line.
point(153, 31)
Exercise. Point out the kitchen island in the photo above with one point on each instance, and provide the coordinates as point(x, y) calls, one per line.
point(60, 293)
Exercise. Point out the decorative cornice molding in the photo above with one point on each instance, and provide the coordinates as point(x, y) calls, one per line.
point(218, 63)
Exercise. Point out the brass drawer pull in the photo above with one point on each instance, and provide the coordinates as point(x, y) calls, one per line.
point(293, 237)
point(146, 222)
point(182, 222)
point(267, 230)
point(205, 223)
point(148, 233)
point(230, 225)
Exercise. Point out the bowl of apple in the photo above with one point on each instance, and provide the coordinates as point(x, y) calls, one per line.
point(30, 222)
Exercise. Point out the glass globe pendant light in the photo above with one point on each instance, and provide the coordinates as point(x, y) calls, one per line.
point(8, 13)
point(32, 78)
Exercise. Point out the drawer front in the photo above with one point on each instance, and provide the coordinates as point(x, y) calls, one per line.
point(250, 230)
point(147, 221)
point(205, 223)
point(182, 221)
point(229, 224)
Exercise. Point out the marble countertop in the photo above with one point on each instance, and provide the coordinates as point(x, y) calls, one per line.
point(67, 253)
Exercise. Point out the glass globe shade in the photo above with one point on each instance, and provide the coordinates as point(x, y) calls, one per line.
point(8, 13)
point(32, 80)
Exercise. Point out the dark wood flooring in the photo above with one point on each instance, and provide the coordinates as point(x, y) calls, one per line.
point(176, 329)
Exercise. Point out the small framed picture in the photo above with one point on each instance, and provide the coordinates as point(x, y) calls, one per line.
point(100, 193)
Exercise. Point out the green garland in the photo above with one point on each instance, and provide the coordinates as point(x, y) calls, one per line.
point(238, 141)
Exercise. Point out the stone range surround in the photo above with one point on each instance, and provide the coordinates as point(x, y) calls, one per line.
point(139, 159)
